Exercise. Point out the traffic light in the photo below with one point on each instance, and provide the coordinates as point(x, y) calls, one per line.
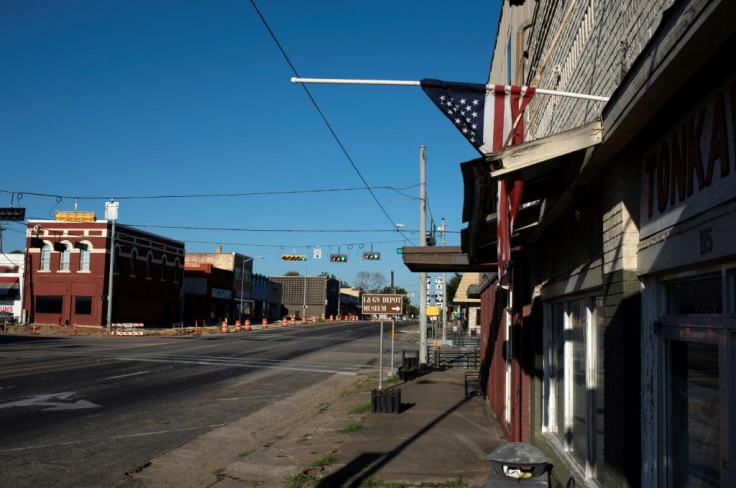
point(430, 239)
point(338, 258)
point(372, 256)
point(294, 257)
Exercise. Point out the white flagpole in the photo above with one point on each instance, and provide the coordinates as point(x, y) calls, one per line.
point(416, 83)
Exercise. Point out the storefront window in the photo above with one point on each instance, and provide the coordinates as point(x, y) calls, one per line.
point(49, 304)
point(575, 407)
point(700, 296)
point(694, 414)
point(698, 374)
point(557, 367)
point(579, 387)
point(597, 453)
point(83, 305)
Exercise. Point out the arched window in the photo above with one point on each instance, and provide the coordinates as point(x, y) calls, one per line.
point(176, 270)
point(45, 257)
point(133, 259)
point(149, 262)
point(163, 268)
point(64, 259)
point(84, 259)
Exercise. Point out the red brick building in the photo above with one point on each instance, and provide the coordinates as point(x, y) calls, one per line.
point(67, 274)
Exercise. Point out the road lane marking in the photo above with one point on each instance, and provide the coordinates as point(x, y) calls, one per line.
point(51, 365)
point(123, 376)
point(234, 365)
point(107, 439)
point(54, 402)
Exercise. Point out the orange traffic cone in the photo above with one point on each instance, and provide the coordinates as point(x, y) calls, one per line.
point(224, 327)
point(237, 325)
point(247, 324)
point(264, 323)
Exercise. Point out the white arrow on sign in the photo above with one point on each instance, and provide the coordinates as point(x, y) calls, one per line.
point(396, 309)
point(62, 402)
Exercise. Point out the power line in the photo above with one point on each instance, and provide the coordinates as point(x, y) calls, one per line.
point(242, 229)
point(324, 118)
point(397, 189)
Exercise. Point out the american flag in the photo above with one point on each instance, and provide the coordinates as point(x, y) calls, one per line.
point(487, 115)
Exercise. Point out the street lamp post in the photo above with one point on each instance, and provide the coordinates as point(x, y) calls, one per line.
point(111, 213)
point(242, 279)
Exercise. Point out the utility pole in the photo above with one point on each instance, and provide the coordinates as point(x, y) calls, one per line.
point(422, 243)
point(444, 290)
point(111, 213)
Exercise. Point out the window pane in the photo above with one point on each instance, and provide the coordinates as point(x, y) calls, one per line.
point(557, 366)
point(83, 305)
point(64, 260)
point(694, 414)
point(48, 304)
point(46, 258)
point(84, 260)
point(698, 296)
point(579, 386)
point(597, 443)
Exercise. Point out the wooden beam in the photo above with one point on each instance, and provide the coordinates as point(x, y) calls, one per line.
point(541, 150)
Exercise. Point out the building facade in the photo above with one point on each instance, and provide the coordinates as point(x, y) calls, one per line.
point(67, 273)
point(238, 291)
point(11, 286)
point(613, 349)
point(309, 296)
point(266, 298)
point(208, 295)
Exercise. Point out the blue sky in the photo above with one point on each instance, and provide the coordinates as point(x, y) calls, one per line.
point(116, 99)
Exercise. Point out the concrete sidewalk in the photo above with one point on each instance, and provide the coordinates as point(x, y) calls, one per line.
point(311, 439)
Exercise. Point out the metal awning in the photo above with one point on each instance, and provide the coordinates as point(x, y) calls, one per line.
point(441, 259)
point(8, 283)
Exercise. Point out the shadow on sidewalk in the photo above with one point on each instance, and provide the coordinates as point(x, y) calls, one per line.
point(366, 465)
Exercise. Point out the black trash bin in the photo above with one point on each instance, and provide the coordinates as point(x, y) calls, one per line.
point(518, 464)
point(386, 401)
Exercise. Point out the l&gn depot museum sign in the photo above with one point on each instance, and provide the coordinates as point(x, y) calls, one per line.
point(383, 304)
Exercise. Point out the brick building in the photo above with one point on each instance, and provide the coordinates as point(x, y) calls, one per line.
point(309, 296)
point(232, 295)
point(612, 349)
point(67, 273)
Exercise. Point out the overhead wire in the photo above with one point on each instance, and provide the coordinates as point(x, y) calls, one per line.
point(324, 119)
point(397, 189)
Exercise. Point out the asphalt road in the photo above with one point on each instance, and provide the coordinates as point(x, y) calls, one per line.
point(84, 411)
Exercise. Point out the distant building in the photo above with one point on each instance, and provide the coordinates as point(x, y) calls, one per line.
point(309, 296)
point(11, 284)
point(266, 298)
point(208, 294)
point(233, 296)
point(349, 301)
point(469, 303)
point(68, 270)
